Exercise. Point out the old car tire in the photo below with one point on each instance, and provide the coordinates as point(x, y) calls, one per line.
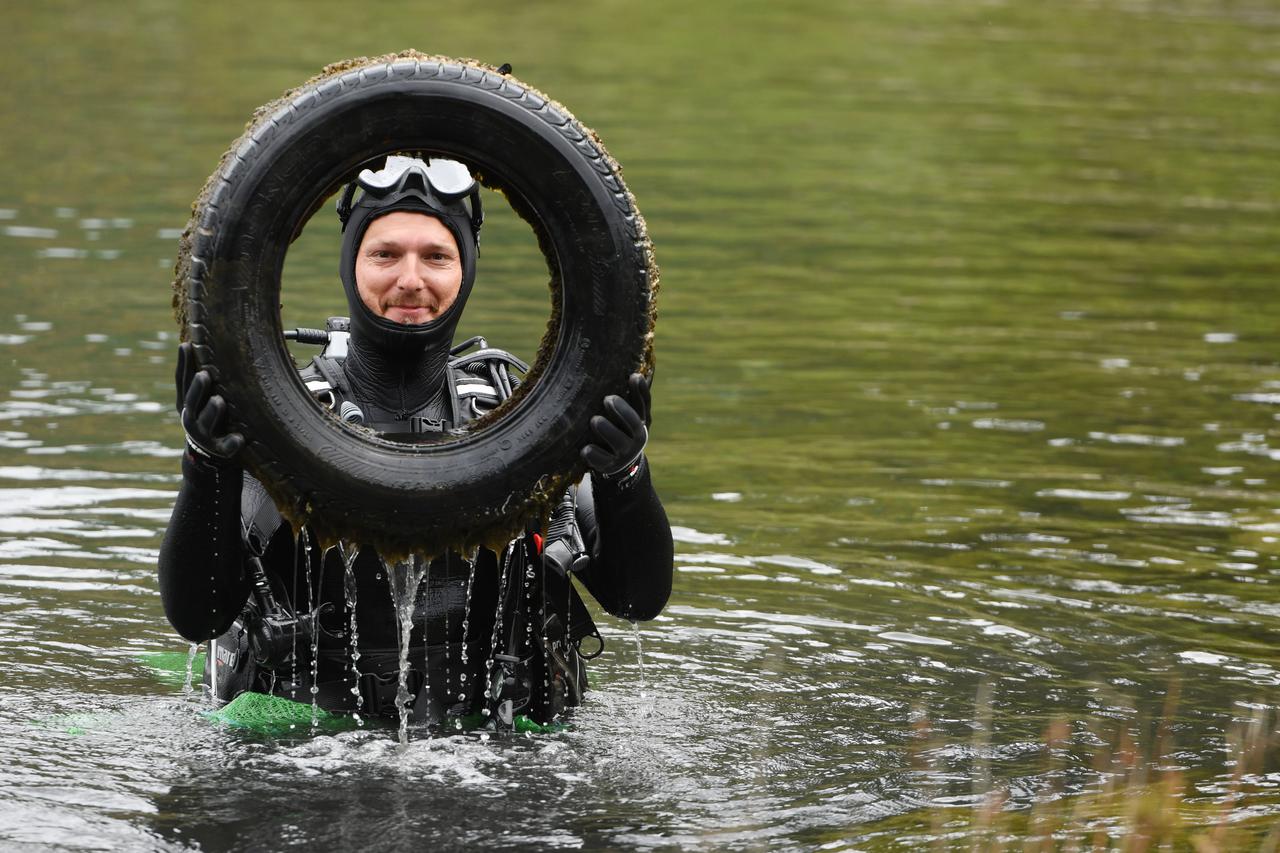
point(349, 483)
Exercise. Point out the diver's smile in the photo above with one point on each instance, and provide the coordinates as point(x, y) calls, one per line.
point(408, 268)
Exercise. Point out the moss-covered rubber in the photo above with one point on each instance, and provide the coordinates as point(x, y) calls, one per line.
point(348, 482)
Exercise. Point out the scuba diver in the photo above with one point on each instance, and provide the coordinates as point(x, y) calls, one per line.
point(490, 634)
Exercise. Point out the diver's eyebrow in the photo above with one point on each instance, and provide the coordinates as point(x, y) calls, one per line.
point(392, 243)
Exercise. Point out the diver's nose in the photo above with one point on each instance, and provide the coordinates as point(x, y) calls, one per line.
point(410, 274)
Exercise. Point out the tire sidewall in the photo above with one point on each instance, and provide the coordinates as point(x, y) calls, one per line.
point(540, 156)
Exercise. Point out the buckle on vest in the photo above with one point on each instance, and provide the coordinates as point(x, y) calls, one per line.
point(419, 424)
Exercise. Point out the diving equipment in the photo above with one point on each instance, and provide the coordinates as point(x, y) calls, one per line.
point(480, 377)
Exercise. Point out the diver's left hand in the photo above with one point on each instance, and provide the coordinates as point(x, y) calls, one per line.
point(203, 413)
point(619, 436)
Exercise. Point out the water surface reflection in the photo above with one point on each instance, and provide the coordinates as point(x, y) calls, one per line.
point(967, 416)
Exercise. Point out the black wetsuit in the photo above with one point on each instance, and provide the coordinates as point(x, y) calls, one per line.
point(400, 376)
point(206, 580)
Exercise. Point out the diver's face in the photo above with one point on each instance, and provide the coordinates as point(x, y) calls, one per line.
point(408, 268)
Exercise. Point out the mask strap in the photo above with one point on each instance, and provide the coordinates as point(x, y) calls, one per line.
point(344, 204)
point(477, 214)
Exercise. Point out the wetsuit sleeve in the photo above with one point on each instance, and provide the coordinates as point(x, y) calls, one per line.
point(202, 580)
point(627, 535)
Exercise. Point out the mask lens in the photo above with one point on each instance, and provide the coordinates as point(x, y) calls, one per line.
point(385, 178)
point(449, 177)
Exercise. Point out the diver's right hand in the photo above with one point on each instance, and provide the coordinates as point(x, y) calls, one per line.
point(204, 414)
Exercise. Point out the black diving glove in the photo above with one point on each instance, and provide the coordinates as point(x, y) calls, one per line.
point(204, 414)
point(617, 452)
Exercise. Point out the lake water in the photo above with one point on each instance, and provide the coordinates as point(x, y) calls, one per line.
point(967, 416)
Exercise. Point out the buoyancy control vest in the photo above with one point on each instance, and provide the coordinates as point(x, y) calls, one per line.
point(533, 660)
point(479, 378)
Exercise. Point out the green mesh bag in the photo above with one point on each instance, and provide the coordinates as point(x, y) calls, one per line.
point(275, 715)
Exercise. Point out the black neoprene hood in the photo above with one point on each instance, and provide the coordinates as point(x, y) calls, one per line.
point(413, 193)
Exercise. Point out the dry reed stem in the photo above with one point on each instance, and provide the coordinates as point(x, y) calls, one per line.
point(1139, 807)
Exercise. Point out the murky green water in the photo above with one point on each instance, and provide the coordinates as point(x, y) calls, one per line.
point(967, 374)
